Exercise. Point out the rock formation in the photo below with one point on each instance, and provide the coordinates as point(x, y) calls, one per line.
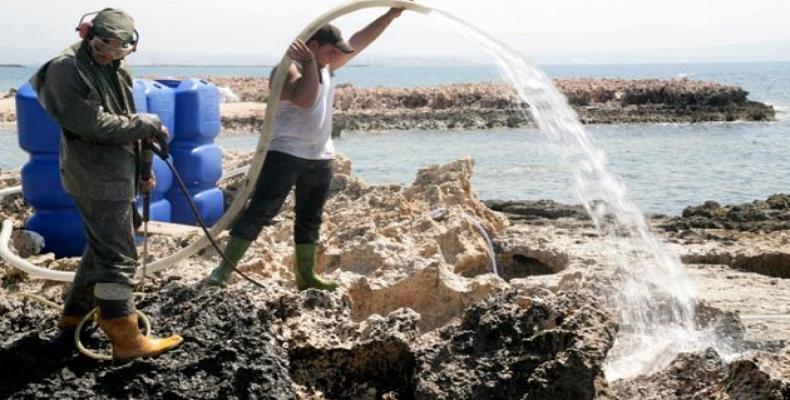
point(420, 313)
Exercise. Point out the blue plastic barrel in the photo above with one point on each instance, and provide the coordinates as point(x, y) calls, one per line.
point(197, 110)
point(210, 204)
point(160, 209)
point(138, 92)
point(161, 100)
point(62, 230)
point(41, 187)
point(164, 178)
point(199, 167)
point(38, 133)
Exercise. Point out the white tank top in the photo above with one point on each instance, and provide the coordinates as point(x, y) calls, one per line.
point(306, 132)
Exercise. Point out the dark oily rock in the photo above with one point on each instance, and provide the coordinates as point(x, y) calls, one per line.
point(729, 332)
point(691, 375)
point(30, 344)
point(759, 376)
point(228, 351)
point(377, 365)
point(513, 346)
point(705, 375)
point(776, 264)
point(537, 209)
point(726, 325)
point(709, 209)
point(770, 215)
point(778, 201)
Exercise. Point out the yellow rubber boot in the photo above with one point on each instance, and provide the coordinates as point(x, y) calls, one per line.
point(128, 342)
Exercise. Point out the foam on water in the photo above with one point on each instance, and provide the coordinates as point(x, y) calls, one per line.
point(651, 292)
point(782, 111)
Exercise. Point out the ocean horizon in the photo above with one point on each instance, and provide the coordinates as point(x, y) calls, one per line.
point(666, 167)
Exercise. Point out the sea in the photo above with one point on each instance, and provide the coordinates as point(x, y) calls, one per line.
point(666, 167)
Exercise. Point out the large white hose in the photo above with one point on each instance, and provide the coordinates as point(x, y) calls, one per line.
point(24, 265)
point(9, 191)
point(246, 189)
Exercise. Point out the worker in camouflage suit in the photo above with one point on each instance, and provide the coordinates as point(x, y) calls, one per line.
point(88, 92)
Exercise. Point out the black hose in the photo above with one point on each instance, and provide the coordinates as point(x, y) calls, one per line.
point(199, 219)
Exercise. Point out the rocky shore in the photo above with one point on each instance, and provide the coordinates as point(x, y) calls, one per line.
point(771, 214)
point(490, 105)
point(420, 313)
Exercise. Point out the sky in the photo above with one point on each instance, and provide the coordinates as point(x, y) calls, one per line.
point(557, 31)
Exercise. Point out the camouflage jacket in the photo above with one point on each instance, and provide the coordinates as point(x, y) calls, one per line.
point(100, 132)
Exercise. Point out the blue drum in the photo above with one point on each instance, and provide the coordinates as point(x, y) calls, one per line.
point(209, 202)
point(197, 110)
point(38, 133)
point(62, 230)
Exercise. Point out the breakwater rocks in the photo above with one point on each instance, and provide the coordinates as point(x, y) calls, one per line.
point(489, 105)
point(771, 214)
point(536, 209)
point(493, 105)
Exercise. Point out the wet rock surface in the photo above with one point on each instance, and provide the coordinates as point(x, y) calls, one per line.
point(705, 375)
point(752, 237)
point(537, 209)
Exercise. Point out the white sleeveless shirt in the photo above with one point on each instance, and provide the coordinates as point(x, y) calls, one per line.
point(307, 132)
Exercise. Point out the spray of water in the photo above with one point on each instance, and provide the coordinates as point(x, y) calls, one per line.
point(487, 238)
point(650, 289)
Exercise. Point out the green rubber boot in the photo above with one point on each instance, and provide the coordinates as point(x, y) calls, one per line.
point(234, 251)
point(304, 262)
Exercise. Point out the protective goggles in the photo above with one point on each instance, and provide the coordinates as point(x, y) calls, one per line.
point(112, 47)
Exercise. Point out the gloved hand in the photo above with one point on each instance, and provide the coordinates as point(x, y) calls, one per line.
point(159, 140)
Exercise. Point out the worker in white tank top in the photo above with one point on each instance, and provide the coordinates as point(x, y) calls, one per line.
point(301, 151)
point(306, 132)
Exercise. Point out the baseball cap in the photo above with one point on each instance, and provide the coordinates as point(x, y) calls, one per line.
point(331, 34)
point(114, 24)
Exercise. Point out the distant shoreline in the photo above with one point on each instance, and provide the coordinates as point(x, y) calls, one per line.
point(489, 105)
point(437, 63)
point(494, 105)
